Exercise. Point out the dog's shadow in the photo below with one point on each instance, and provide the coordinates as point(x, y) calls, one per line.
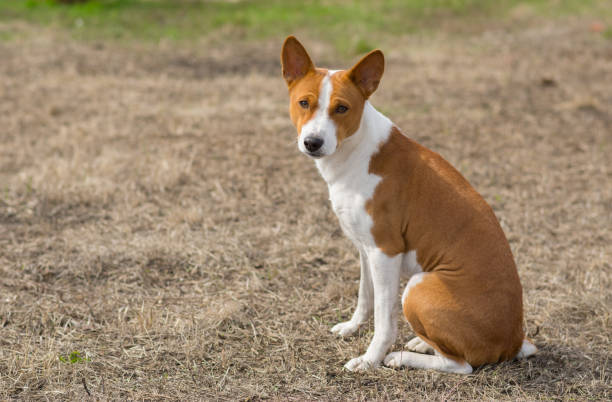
point(554, 370)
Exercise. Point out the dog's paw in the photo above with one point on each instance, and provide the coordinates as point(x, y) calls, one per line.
point(418, 345)
point(394, 360)
point(361, 363)
point(345, 328)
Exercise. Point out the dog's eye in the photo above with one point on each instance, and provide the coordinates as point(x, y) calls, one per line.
point(341, 109)
point(304, 104)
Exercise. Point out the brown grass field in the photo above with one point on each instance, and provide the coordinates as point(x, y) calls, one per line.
point(161, 237)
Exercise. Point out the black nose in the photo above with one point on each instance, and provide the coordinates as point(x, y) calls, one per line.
point(312, 144)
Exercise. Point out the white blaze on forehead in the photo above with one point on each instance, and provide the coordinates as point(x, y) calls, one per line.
point(321, 125)
point(324, 97)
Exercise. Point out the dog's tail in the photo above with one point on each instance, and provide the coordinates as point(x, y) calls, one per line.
point(527, 349)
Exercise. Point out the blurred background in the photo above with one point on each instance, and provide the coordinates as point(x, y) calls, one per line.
point(352, 26)
point(161, 237)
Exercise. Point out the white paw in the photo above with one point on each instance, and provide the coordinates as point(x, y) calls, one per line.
point(394, 360)
point(418, 345)
point(345, 328)
point(360, 363)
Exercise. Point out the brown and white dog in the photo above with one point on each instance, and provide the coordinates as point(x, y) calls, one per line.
point(410, 213)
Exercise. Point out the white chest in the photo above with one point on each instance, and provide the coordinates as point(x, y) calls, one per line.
point(348, 199)
point(354, 220)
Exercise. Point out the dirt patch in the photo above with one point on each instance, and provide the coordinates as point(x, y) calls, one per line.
point(156, 217)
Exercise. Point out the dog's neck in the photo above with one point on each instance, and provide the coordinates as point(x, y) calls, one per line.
point(352, 158)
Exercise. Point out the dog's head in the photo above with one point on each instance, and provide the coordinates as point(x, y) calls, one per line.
point(325, 105)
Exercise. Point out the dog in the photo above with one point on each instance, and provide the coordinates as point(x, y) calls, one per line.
point(410, 214)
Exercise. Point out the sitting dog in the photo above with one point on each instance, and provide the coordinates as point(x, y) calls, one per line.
point(409, 213)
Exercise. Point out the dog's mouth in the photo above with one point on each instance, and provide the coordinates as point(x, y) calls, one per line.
point(314, 155)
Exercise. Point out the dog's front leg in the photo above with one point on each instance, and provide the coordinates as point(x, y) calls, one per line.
point(385, 273)
point(365, 301)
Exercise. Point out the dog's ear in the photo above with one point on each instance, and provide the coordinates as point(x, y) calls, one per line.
point(366, 74)
point(295, 61)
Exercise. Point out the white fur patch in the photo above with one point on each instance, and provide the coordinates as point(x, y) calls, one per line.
point(527, 349)
point(414, 280)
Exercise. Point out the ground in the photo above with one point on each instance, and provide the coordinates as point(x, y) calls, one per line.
point(161, 237)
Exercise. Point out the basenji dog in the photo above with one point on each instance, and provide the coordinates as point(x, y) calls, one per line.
point(410, 213)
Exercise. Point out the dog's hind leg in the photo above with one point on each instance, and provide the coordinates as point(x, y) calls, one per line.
point(421, 361)
point(418, 345)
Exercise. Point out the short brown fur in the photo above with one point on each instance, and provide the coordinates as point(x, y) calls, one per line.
point(469, 306)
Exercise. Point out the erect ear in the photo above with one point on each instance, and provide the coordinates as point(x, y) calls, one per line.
point(366, 74)
point(294, 60)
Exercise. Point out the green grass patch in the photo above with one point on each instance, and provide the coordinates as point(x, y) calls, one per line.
point(352, 25)
point(74, 357)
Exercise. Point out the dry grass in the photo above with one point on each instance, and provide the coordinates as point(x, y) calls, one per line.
point(156, 217)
